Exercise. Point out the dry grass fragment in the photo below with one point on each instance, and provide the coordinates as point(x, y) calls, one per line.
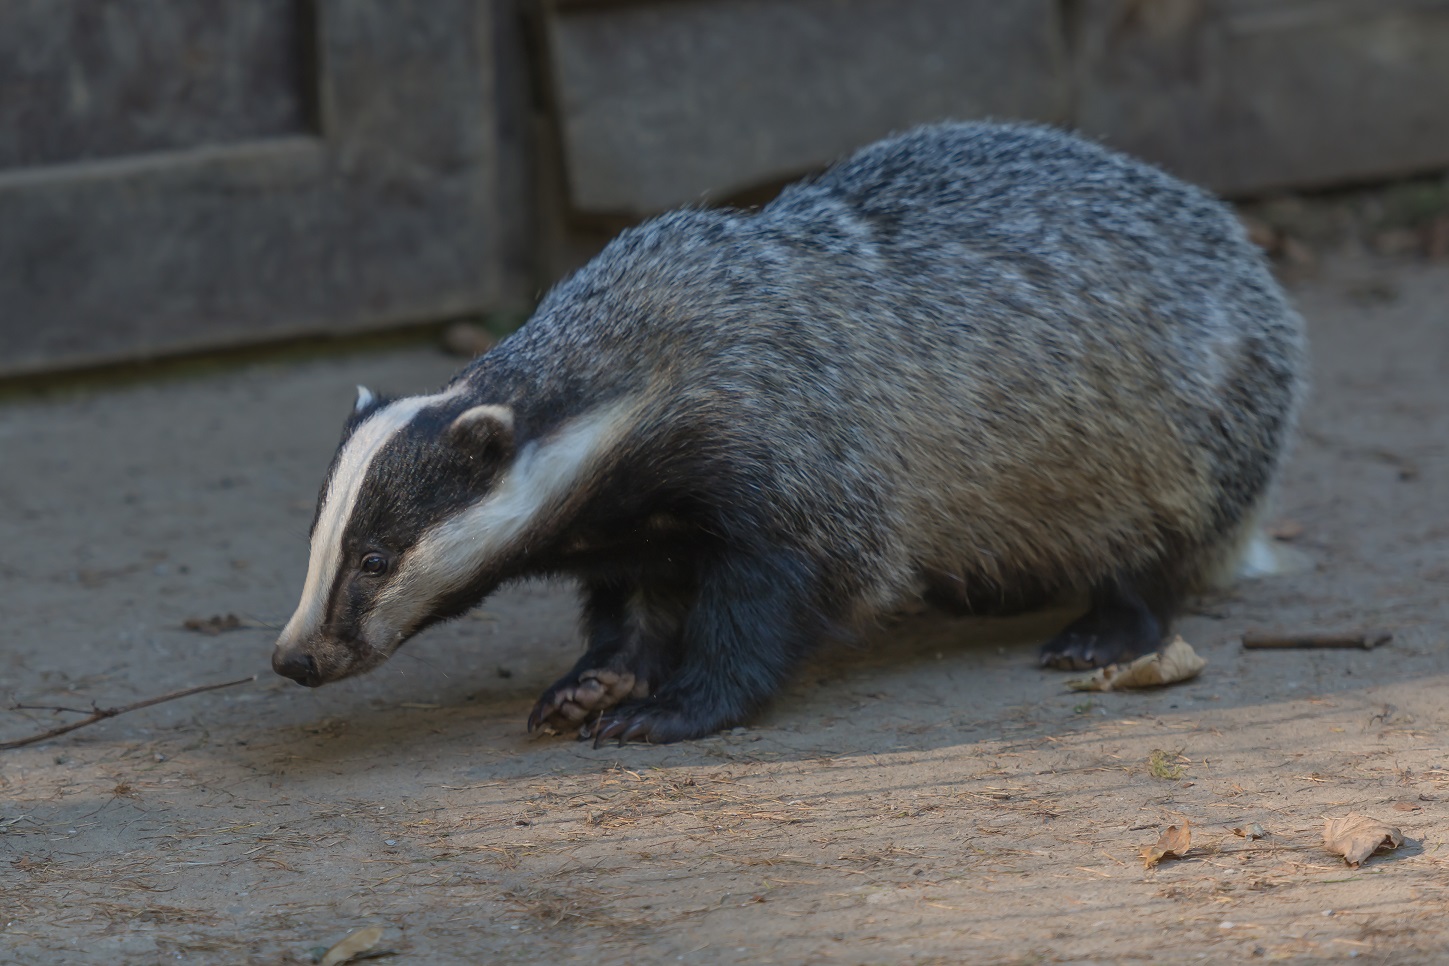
point(579, 906)
point(1165, 765)
point(213, 625)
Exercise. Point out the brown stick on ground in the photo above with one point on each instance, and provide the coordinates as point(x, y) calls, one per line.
point(101, 714)
point(1365, 640)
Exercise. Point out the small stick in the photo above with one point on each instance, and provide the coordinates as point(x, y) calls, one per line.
point(1364, 640)
point(101, 714)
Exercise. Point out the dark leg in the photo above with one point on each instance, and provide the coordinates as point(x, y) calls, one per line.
point(951, 593)
point(753, 619)
point(1126, 621)
point(633, 639)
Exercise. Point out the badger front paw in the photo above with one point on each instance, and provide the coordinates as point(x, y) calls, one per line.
point(578, 696)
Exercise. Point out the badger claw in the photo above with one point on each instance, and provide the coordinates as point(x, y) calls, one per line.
point(623, 730)
point(654, 722)
point(576, 697)
point(1074, 652)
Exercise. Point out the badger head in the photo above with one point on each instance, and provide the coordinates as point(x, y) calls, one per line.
point(431, 502)
point(415, 508)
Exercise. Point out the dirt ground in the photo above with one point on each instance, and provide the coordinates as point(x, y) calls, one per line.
point(932, 797)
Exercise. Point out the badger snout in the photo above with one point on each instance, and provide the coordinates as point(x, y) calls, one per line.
point(298, 665)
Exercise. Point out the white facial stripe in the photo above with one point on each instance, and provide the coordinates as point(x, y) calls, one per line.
point(352, 465)
point(450, 553)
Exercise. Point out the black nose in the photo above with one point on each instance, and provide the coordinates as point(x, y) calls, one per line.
point(296, 665)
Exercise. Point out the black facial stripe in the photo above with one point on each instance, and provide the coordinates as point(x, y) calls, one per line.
point(343, 617)
point(355, 418)
point(418, 478)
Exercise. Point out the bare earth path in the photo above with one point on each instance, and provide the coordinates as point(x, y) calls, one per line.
point(932, 797)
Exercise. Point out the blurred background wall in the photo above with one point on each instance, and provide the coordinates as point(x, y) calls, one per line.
point(179, 176)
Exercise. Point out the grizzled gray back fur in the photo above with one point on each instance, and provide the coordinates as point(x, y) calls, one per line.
point(993, 352)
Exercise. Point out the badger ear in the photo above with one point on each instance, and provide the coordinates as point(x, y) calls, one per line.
point(486, 427)
point(366, 404)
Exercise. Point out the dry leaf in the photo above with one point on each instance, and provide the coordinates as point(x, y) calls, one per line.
point(1175, 662)
point(1250, 832)
point(211, 626)
point(1260, 233)
point(1173, 843)
point(1286, 530)
point(1356, 837)
point(358, 942)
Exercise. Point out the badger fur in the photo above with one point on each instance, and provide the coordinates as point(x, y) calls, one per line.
point(991, 364)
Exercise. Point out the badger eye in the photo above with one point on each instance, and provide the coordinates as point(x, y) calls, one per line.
point(373, 564)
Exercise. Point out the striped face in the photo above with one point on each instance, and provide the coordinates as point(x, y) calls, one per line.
point(426, 499)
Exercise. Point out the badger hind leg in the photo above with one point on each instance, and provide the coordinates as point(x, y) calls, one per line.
point(752, 619)
point(1128, 618)
point(632, 632)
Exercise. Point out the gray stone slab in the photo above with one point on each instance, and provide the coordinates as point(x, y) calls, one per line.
point(662, 104)
point(1253, 96)
point(383, 213)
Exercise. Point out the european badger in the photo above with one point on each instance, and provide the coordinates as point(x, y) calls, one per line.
point(988, 363)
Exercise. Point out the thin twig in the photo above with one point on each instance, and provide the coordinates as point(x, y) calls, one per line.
point(46, 707)
point(101, 714)
point(1367, 640)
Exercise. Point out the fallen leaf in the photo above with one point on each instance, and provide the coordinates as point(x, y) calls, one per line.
point(1175, 662)
point(1356, 837)
point(1286, 530)
point(358, 942)
point(1250, 832)
point(211, 626)
point(1173, 843)
point(1260, 233)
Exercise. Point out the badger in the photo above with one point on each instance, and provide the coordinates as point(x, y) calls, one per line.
point(985, 364)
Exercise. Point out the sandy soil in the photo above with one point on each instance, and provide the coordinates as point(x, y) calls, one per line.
point(932, 797)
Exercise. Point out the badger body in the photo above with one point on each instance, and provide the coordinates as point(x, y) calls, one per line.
point(991, 364)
